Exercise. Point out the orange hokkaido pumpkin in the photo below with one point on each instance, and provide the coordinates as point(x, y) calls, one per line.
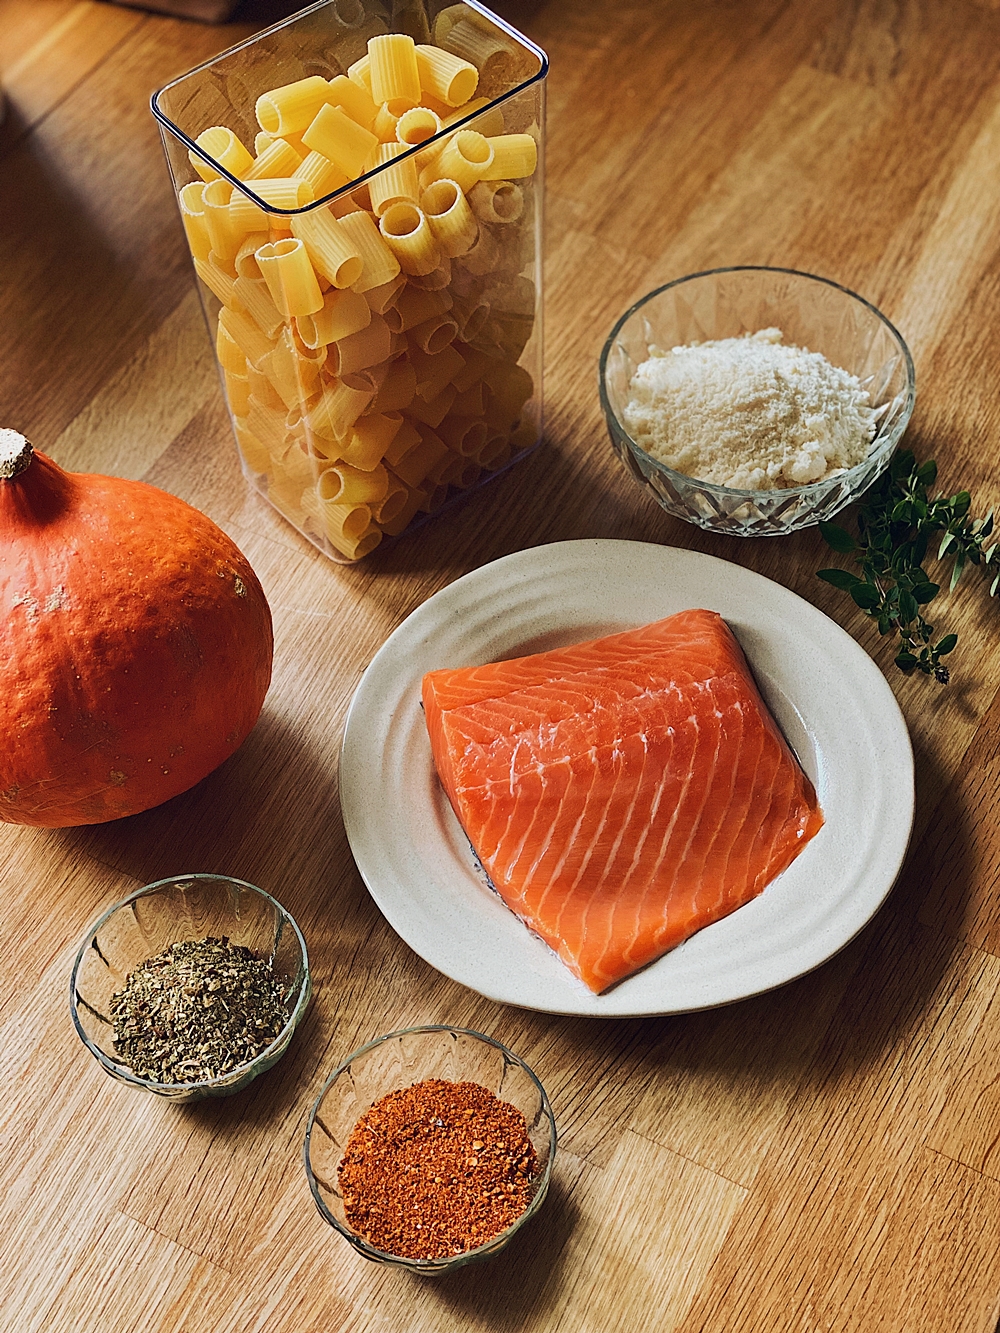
point(135, 644)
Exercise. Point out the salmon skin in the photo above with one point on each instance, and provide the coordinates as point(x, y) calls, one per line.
point(623, 793)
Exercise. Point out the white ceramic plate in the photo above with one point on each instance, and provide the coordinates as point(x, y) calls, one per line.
point(832, 702)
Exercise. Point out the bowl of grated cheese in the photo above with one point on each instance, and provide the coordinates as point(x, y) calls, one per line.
point(753, 400)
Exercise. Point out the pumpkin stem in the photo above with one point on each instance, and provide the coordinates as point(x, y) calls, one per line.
point(15, 454)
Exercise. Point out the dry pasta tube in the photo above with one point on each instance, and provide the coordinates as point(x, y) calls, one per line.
point(245, 262)
point(290, 277)
point(347, 485)
point(285, 192)
point(525, 436)
point(263, 140)
point(238, 393)
point(336, 410)
point(361, 74)
point(496, 201)
point(470, 315)
point(379, 264)
point(395, 501)
point(263, 391)
point(396, 183)
point(434, 334)
point(346, 519)
point(383, 298)
point(278, 159)
point(490, 55)
point(384, 126)
point(414, 466)
point(476, 365)
point(394, 73)
point(415, 305)
point(289, 109)
point(509, 333)
point(514, 156)
point(406, 439)
point(294, 376)
point(465, 159)
point(225, 237)
point(445, 75)
point(254, 453)
point(483, 256)
point(494, 453)
point(435, 281)
point(353, 99)
point(245, 217)
point(397, 390)
point(434, 412)
point(323, 175)
point(449, 217)
point(192, 207)
point(368, 347)
point(255, 298)
point(222, 287)
point(508, 394)
point(489, 122)
point(417, 126)
point(349, 528)
point(435, 499)
point(404, 229)
point(268, 425)
point(330, 246)
point(434, 372)
point(341, 139)
point(464, 435)
point(343, 313)
point(401, 520)
point(470, 403)
point(222, 145)
point(446, 471)
point(369, 440)
point(228, 351)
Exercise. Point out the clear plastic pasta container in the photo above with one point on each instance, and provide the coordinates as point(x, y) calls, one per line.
point(361, 189)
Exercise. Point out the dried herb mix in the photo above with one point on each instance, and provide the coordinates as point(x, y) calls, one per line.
point(198, 1010)
point(437, 1169)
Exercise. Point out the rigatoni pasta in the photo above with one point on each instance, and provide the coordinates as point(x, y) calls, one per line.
point(370, 344)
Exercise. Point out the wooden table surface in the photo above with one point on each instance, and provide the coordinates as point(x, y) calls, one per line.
point(824, 1157)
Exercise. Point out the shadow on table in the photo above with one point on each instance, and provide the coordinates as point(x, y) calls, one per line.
point(501, 1293)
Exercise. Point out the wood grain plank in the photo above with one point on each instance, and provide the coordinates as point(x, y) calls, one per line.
point(630, 1236)
point(821, 1158)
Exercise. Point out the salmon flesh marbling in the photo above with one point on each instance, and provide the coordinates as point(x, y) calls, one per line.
point(623, 793)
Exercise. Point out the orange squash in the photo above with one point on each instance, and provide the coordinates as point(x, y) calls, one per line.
point(135, 643)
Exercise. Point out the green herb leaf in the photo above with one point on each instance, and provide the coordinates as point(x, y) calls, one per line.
point(867, 597)
point(894, 525)
point(838, 538)
point(840, 578)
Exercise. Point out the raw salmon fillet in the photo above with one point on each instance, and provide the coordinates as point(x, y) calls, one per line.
point(622, 793)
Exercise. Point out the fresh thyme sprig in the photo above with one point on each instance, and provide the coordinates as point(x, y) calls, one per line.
point(895, 525)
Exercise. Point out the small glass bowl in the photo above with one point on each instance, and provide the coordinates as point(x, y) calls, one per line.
point(811, 312)
point(185, 907)
point(398, 1060)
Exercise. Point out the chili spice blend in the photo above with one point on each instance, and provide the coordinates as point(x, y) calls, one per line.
point(437, 1169)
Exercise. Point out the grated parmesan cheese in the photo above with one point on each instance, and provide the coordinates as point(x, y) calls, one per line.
point(752, 413)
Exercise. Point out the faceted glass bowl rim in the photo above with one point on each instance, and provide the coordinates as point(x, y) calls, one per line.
point(785, 492)
point(456, 1260)
point(190, 144)
point(124, 1072)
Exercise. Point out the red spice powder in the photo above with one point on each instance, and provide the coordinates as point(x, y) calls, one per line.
point(437, 1169)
